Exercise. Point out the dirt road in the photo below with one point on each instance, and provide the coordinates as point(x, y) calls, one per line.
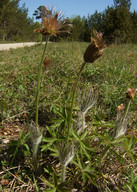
point(4, 47)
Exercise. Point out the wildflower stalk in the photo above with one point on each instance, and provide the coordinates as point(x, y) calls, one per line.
point(34, 157)
point(73, 98)
point(93, 52)
point(123, 119)
point(38, 81)
point(63, 173)
point(36, 137)
point(117, 129)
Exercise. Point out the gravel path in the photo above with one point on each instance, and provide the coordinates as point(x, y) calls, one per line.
point(4, 47)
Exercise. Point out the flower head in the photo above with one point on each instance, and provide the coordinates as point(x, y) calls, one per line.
point(130, 94)
point(95, 49)
point(47, 62)
point(52, 23)
point(120, 108)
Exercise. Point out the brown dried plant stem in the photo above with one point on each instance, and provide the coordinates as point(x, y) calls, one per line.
point(38, 81)
point(73, 99)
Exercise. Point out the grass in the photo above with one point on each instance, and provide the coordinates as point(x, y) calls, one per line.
point(111, 75)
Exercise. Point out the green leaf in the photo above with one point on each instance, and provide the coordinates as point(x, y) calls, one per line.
point(27, 147)
point(84, 177)
point(135, 178)
point(47, 182)
point(55, 179)
point(101, 136)
point(75, 163)
point(87, 146)
point(51, 132)
point(77, 137)
point(90, 177)
point(51, 190)
point(85, 151)
point(118, 140)
point(49, 140)
point(26, 137)
point(79, 162)
point(84, 135)
point(130, 143)
point(55, 151)
point(133, 156)
point(37, 189)
point(46, 147)
point(135, 185)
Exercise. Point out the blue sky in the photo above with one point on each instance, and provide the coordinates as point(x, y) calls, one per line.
point(71, 8)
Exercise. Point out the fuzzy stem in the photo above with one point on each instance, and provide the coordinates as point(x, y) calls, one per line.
point(123, 119)
point(35, 160)
point(38, 80)
point(63, 173)
point(124, 116)
point(73, 99)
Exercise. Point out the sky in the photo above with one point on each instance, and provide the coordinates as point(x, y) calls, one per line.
point(72, 8)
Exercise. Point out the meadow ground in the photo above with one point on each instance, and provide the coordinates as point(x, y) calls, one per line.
point(111, 75)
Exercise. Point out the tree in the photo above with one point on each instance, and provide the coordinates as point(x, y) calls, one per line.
point(122, 3)
point(134, 26)
point(78, 28)
point(117, 22)
point(95, 21)
point(87, 30)
point(14, 22)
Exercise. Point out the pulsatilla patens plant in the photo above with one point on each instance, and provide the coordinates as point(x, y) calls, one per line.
point(72, 141)
point(92, 53)
point(73, 132)
point(122, 115)
point(52, 24)
point(121, 122)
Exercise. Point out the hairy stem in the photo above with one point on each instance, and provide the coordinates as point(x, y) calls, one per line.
point(35, 160)
point(73, 99)
point(38, 81)
point(123, 119)
point(63, 173)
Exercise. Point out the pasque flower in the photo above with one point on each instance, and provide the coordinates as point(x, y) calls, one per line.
point(95, 49)
point(47, 62)
point(130, 94)
point(52, 23)
point(120, 108)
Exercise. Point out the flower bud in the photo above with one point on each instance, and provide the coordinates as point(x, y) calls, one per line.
point(95, 49)
point(47, 62)
point(130, 94)
point(120, 108)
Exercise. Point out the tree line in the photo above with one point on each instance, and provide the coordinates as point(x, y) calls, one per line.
point(15, 24)
point(117, 22)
